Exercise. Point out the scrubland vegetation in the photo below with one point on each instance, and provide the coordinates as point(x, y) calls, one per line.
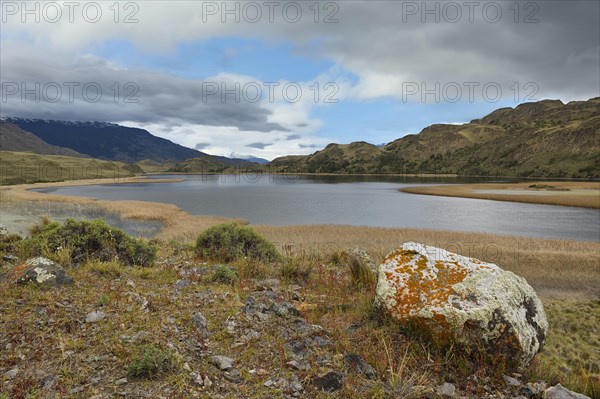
point(149, 343)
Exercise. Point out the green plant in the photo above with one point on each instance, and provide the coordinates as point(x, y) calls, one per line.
point(9, 242)
point(224, 274)
point(296, 269)
point(90, 240)
point(230, 241)
point(150, 361)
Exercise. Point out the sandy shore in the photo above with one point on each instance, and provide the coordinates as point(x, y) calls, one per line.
point(579, 194)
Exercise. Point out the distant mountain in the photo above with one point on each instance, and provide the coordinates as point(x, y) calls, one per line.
point(251, 158)
point(542, 139)
point(107, 141)
point(13, 138)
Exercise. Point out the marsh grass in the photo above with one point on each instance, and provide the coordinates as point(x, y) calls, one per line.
point(581, 194)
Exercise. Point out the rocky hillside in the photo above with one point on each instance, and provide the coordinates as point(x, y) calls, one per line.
point(232, 318)
point(106, 140)
point(545, 139)
point(13, 138)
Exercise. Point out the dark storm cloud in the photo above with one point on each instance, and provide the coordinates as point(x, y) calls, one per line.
point(260, 146)
point(143, 96)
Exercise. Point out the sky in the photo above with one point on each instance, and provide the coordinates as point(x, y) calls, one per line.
point(273, 78)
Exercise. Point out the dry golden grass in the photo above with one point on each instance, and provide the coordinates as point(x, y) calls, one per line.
point(555, 268)
point(581, 194)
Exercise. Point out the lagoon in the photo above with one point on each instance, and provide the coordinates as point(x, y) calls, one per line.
point(359, 201)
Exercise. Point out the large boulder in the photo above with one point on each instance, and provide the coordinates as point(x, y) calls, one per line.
point(41, 271)
point(457, 299)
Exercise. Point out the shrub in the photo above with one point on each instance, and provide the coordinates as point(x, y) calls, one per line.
point(149, 362)
point(296, 269)
point(224, 274)
point(230, 241)
point(9, 242)
point(90, 240)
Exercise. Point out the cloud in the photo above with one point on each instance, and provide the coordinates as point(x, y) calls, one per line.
point(260, 146)
point(201, 146)
point(378, 47)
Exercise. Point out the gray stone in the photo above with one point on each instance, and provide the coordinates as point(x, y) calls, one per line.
point(512, 381)
point(560, 392)
point(462, 300)
point(329, 382)
point(197, 379)
point(121, 381)
point(10, 374)
point(446, 390)
point(42, 271)
point(201, 324)
point(356, 364)
point(95, 316)
point(222, 362)
point(362, 258)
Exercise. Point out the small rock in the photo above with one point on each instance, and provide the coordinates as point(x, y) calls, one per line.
point(233, 375)
point(121, 381)
point(300, 365)
point(513, 382)
point(76, 390)
point(207, 382)
point(95, 316)
point(446, 390)
point(560, 392)
point(10, 374)
point(41, 271)
point(222, 362)
point(268, 383)
point(329, 382)
point(356, 364)
point(50, 381)
point(197, 379)
point(201, 324)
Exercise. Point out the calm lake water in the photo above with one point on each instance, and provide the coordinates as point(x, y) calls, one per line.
point(362, 201)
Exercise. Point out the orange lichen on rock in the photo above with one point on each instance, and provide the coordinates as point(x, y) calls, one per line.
point(454, 298)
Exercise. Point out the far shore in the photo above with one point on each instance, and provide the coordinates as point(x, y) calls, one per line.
point(563, 193)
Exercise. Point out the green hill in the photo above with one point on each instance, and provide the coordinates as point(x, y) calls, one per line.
point(545, 139)
point(27, 167)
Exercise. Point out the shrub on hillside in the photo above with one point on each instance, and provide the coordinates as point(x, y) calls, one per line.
point(150, 361)
point(229, 242)
point(90, 240)
point(224, 274)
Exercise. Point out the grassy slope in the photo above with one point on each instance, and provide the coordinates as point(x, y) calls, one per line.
point(13, 138)
point(547, 138)
point(26, 167)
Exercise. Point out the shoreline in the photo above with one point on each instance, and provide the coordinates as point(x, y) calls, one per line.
point(556, 268)
point(573, 194)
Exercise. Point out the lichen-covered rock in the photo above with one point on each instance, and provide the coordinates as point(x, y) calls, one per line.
point(454, 298)
point(41, 271)
point(362, 257)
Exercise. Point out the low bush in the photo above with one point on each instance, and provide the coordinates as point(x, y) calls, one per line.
point(224, 274)
point(88, 241)
point(150, 361)
point(229, 242)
